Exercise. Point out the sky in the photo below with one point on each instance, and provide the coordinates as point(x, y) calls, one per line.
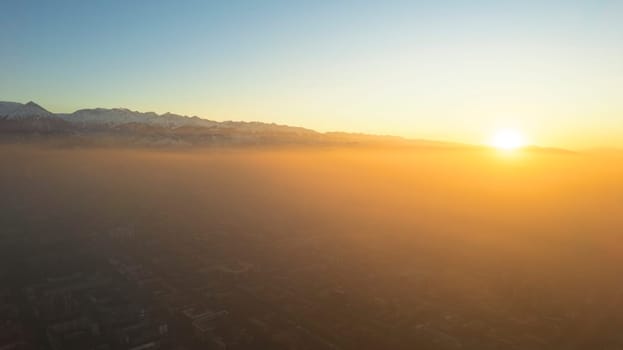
point(446, 70)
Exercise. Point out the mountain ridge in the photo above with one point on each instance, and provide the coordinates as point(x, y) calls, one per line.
point(28, 121)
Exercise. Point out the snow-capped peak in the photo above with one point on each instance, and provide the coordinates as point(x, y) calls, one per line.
point(120, 116)
point(14, 110)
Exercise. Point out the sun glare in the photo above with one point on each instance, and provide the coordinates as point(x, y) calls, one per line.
point(507, 139)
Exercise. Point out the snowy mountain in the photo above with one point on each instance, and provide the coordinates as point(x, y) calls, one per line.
point(120, 116)
point(14, 110)
point(123, 126)
point(117, 117)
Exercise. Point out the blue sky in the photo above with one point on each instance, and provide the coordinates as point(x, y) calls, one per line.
point(445, 69)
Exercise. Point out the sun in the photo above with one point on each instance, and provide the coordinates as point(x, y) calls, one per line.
point(507, 139)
